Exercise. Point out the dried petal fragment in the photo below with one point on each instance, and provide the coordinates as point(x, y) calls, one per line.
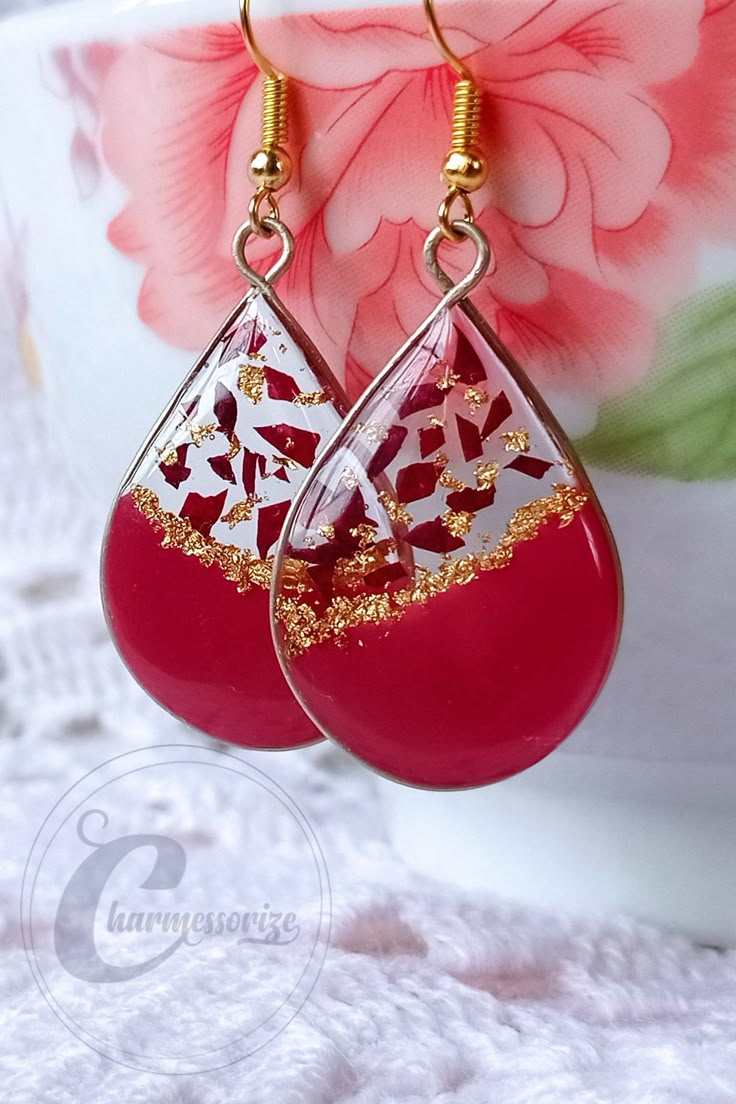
point(222, 466)
point(500, 410)
point(434, 536)
point(270, 521)
point(173, 466)
point(387, 450)
point(471, 500)
point(226, 410)
point(422, 397)
point(280, 385)
point(470, 441)
point(431, 438)
point(467, 363)
point(203, 510)
point(293, 441)
point(244, 340)
point(189, 406)
point(250, 461)
point(416, 481)
point(530, 465)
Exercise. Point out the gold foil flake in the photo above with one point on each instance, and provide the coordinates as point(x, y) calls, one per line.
point(351, 571)
point(394, 509)
point(525, 522)
point(567, 465)
point(282, 348)
point(458, 522)
point(450, 482)
point(169, 456)
point(238, 565)
point(486, 474)
point(327, 531)
point(311, 398)
point(572, 499)
point(250, 381)
point(375, 432)
point(363, 533)
point(259, 573)
point(440, 461)
point(294, 576)
point(475, 397)
point(349, 479)
point(349, 575)
point(516, 440)
point(303, 627)
point(438, 423)
point(241, 511)
point(446, 378)
point(234, 449)
point(284, 462)
point(201, 433)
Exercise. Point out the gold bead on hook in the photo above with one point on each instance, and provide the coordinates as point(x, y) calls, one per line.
point(270, 168)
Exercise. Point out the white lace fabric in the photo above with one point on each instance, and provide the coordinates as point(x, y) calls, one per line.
point(425, 995)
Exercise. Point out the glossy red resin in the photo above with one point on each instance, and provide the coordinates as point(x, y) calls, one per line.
point(199, 647)
point(484, 680)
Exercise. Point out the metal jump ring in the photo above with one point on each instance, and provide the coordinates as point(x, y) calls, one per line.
point(444, 213)
point(259, 223)
point(246, 231)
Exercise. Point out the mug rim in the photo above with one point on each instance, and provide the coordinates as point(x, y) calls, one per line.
point(83, 20)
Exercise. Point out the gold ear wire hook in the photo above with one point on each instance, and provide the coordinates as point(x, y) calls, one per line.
point(259, 58)
point(270, 166)
point(439, 40)
point(464, 169)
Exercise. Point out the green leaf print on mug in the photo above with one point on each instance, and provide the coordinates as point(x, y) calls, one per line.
point(681, 422)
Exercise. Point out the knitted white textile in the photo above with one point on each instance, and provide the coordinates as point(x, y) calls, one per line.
point(425, 994)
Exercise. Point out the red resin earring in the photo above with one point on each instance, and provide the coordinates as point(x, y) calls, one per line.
point(187, 557)
point(446, 595)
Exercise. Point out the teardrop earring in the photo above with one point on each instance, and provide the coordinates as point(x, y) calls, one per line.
point(187, 558)
point(446, 597)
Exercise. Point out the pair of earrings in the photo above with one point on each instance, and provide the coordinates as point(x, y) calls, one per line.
point(443, 591)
